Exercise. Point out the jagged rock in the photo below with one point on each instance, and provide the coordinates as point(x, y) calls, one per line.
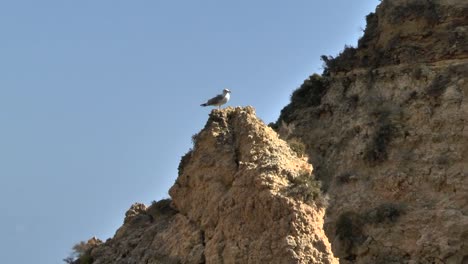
point(137, 209)
point(236, 200)
point(389, 141)
point(408, 31)
point(385, 127)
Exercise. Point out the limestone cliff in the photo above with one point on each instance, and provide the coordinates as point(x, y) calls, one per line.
point(385, 127)
point(386, 130)
point(242, 196)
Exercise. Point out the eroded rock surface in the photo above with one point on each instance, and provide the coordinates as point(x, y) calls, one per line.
point(232, 203)
point(385, 127)
point(386, 131)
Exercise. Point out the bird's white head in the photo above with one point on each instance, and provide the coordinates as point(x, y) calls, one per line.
point(226, 91)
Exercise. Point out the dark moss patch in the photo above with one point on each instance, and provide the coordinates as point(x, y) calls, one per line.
point(349, 232)
point(350, 225)
point(393, 256)
point(438, 86)
point(384, 213)
point(376, 150)
point(344, 178)
point(385, 131)
point(352, 102)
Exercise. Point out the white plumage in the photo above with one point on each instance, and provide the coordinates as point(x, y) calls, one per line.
point(219, 100)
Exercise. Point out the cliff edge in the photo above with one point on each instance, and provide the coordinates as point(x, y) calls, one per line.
point(385, 127)
point(242, 196)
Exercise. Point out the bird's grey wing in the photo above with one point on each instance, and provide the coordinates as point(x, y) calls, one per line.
point(215, 99)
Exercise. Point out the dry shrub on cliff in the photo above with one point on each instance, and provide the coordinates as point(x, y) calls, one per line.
point(297, 146)
point(385, 130)
point(184, 161)
point(438, 86)
point(81, 252)
point(274, 126)
point(349, 226)
point(384, 213)
point(160, 208)
point(344, 178)
point(429, 10)
point(345, 61)
point(349, 58)
point(370, 32)
point(376, 150)
point(309, 94)
point(194, 139)
point(349, 232)
point(352, 102)
point(306, 188)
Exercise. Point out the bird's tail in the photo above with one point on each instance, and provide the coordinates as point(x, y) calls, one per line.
point(204, 104)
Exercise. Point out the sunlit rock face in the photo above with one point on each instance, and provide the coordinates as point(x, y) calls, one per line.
point(236, 200)
point(385, 128)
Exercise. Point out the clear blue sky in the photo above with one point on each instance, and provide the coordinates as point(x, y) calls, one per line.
point(99, 99)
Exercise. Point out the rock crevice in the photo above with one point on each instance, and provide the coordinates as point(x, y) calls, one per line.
point(388, 139)
point(228, 204)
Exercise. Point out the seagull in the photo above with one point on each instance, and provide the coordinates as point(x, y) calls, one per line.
point(219, 100)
